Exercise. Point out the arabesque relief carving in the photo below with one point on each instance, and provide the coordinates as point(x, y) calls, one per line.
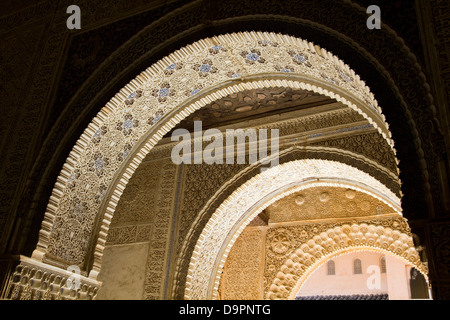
point(310, 243)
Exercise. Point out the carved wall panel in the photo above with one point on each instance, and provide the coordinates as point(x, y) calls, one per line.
point(30, 50)
point(145, 213)
point(243, 271)
point(325, 202)
point(440, 249)
point(136, 211)
point(368, 144)
point(160, 239)
point(200, 184)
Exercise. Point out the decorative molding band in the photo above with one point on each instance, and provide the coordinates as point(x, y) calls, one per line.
point(34, 280)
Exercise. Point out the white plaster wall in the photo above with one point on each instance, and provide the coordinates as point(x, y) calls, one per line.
point(123, 272)
point(397, 279)
point(344, 282)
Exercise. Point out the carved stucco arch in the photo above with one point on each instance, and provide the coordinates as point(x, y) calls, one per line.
point(335, 242)
point(92, 180)
point(359, 161)
point(237, 211)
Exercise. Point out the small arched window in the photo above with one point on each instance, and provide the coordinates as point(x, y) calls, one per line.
point(357, 266)
point(331, 268)
point(383, 264)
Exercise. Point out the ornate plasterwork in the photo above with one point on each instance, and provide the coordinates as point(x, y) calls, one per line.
point(33, 280)
point(187, 79)
point(359, 144)
point(295, 250)
point(209, 186)
point(324, 203)
point(323, 242)
point(241, 279)
point(133, 221)
point(135, 213)
point(251, 198)
point(253, 104)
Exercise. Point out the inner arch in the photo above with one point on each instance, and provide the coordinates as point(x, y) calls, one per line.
point(239, 209)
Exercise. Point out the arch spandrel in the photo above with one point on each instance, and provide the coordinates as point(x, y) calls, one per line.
point(125, 130)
